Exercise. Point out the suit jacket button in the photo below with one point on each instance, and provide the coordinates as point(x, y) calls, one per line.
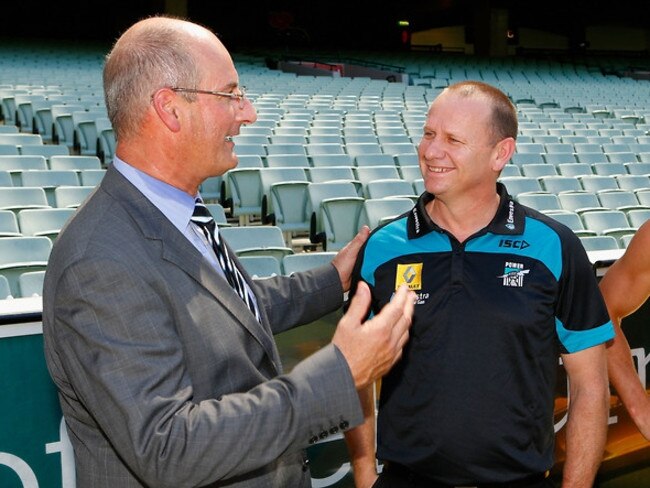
point(344, 425)
point(334, 430)
point(323, 434)
point(313, 440)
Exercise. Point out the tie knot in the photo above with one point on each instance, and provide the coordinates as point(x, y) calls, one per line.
point(201, 214)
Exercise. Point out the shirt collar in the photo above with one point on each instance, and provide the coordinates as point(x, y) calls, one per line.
point(509, 219)
point(175, 204)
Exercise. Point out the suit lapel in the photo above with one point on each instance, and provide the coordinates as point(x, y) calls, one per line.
point(176, 249)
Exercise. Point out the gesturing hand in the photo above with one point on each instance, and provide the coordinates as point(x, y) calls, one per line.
point(371, 348)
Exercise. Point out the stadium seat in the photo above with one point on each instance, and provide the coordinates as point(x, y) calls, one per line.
point(21, 254)
point(46, 222)
point(256, 240)
point(304, 261)
point(261, 266)
point(30, 283)
point(599, 243)
point(540, 201)
point(9, 224)
point(18, 198)
point(71, 196)
point(243, 188)
point(378, 210)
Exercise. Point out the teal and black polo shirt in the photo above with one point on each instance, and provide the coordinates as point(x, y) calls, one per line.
point(472, 398)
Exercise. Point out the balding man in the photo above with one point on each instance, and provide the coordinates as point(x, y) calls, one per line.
point(160, 344)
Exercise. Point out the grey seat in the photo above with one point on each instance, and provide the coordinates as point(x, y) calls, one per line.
point(49, 179)
point(520, 184)
point(573, 221)
point(256, 240)
point(243, 193)
point(378, 210)
point(390, 187)
point(261, 266)
point(304, 261)
point(46, 222)
point(71, 196)
point(30, 283)
point(559, 183)
point(17, 198)
point(9, 224)
point(540, 201)
point(607, 222)
point(599, 243)
point(21, 254)
point(317, 192)
point(580, 201)
point(75, 162)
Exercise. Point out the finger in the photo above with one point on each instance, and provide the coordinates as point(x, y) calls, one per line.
point(360, 303)
point(361, 236)
point(394, 310)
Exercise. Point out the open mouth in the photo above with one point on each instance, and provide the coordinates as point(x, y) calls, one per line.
point(438, 169)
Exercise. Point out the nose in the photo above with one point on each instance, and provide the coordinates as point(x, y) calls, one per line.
point(247, 114)
point(430, 149)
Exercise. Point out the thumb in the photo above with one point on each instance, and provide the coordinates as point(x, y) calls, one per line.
point(360, 303)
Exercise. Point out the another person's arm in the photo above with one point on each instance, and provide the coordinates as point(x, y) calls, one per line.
point(625, 287)
point(586, 429)
point(361, 443)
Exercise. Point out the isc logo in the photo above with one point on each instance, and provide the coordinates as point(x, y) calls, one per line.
point(516, 244)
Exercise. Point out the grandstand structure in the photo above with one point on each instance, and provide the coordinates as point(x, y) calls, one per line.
point(325, 148)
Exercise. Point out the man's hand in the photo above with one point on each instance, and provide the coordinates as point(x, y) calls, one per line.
point(371, 348)
point(346, 257)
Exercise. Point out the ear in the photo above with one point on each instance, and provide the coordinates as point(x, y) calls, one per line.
point(503, 152)
point(165, 103)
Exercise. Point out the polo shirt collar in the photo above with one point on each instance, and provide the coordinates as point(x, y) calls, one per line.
point(509, 219)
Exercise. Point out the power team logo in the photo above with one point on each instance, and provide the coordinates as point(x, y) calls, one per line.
point(513, 274)
point(411, 274)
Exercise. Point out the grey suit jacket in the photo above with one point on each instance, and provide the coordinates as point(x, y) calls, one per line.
point(165, 378)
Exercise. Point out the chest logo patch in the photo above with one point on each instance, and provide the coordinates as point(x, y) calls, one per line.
point(513, 274)
point(411, 274)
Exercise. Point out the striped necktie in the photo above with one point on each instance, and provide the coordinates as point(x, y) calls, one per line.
point(206, 223)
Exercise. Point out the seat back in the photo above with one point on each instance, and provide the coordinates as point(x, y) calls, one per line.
point(243, 189)
point(317, 192)
point(30, 283)
point(46, 222)
point(17, 198)
point(9, 224)
point(259, 240)
point(304, 261)
point(340, 217)
point(289, 206)
point(261, 266)
point(71, 196)
point(599, 243)
point(395, 187)
point(379, 210)
point(20, 254)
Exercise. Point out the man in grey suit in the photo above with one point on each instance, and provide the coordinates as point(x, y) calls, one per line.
point(166, 378)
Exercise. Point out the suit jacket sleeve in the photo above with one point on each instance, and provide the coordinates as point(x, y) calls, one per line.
point(300, 298)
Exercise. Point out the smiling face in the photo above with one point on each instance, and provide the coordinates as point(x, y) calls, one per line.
point(458, 153)
point(212, 120)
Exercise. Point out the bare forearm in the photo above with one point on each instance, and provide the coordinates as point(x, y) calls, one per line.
point(586, 434)
point(361, 443)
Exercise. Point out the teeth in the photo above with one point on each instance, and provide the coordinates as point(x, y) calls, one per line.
point(437, 170)
point(228, 138)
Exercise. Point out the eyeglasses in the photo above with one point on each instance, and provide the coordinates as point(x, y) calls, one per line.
point(240, 97)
